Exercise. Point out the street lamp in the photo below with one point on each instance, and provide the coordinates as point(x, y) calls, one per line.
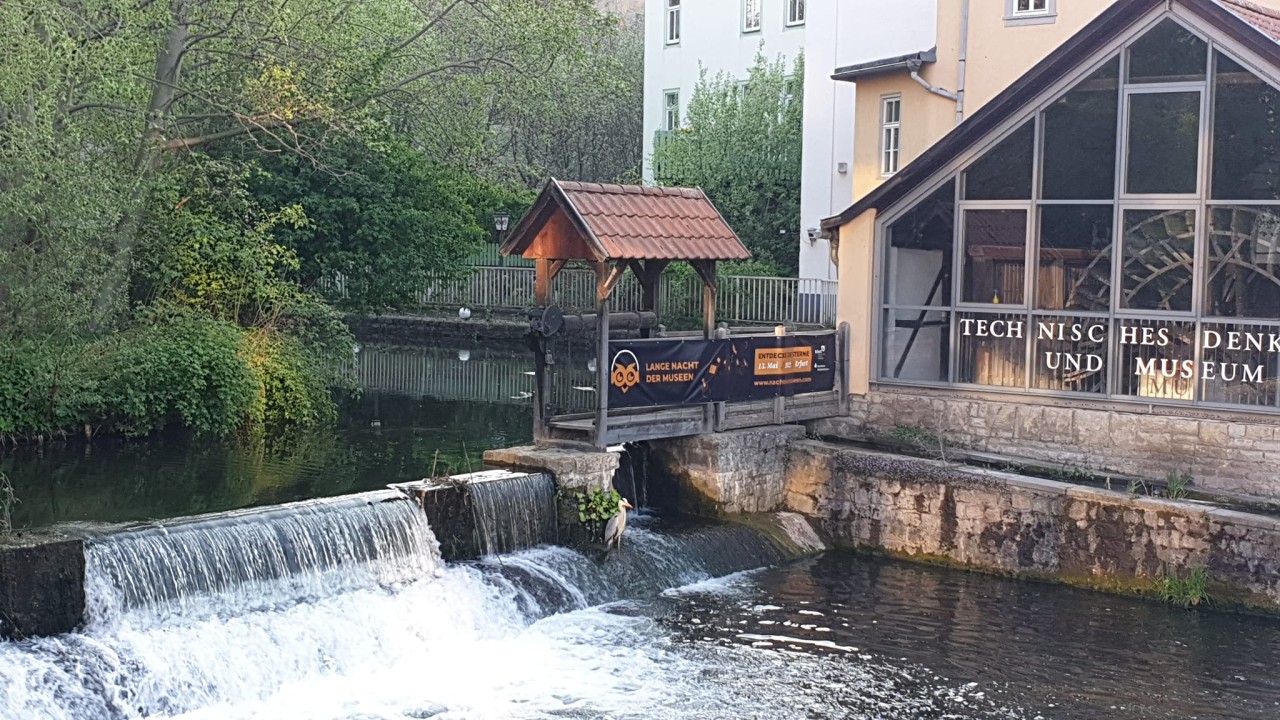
point(501, 221)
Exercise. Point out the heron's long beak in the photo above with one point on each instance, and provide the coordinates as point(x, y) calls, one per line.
point(624, 502)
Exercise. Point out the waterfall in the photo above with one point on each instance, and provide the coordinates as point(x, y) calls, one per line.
point(514, 512)
point(245, 560)
point(499, 638)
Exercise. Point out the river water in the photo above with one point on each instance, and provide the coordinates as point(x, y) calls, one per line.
point(687, 621)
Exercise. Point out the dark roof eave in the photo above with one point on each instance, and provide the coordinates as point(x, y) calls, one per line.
point(851, 73)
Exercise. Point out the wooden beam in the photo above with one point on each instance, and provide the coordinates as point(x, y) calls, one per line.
point(542, 277)
point(557, 266)
point(649, 273)
point(607, 279)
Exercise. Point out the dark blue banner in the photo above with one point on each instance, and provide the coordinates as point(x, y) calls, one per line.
point(645, 373)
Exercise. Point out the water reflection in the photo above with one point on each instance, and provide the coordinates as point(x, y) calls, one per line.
point(1056, 651)
point(421, 411)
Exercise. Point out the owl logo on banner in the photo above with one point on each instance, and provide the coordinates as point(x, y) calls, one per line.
point(625, 375)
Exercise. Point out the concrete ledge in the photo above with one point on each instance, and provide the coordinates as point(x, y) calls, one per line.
point(579, 470)
point(1001, 522)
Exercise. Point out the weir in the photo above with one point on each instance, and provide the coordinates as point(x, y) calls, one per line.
point(261, 557)
point(277, 612)
point(514, 513)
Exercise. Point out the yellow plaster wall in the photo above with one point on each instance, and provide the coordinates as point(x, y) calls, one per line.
point(857, 253)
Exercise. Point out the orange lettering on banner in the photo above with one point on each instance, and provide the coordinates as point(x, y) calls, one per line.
point(785, 361)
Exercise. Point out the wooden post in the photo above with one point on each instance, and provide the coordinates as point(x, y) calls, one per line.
point(540, 433)
point(544, 277)
point(603, 288)
point(649, 274)
point(706, 270)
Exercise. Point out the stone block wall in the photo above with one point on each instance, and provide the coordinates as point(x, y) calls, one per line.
point(1003, 522)
point(41, 586)
point(1226, 453)
point(742, 471)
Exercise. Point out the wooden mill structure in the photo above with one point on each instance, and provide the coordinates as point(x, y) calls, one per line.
point(616, 229)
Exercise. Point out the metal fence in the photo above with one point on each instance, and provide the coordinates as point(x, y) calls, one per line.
point(742, 299)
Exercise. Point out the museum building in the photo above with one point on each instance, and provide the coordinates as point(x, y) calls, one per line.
point(1086, 271)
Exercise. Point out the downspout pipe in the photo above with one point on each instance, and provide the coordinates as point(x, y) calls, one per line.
point(963, 62)
point(914, 67)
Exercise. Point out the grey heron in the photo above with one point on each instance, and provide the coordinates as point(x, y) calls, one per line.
point(617, 525)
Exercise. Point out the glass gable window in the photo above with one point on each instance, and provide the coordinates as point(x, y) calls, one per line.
point(1080, 139)
point(1121, 242)
point(1164, 143)
point(1168, 53)
point(1246, 134)
point(1004, 173)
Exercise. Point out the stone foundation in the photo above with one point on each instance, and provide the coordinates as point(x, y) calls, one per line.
point(728, 473)
point(575, 471)
point(1230, 453)
point(997, 521)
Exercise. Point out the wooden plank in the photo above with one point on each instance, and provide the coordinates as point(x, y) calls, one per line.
point(654, 432)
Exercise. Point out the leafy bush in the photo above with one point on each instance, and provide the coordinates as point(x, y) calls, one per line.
point(186, 371)
point(180, 370)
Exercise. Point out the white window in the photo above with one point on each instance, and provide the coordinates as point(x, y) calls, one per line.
point(890, 133)
point(795, 12)
point(671, 109)
point(1030, 12)
point(673, 22)
point(751, 15)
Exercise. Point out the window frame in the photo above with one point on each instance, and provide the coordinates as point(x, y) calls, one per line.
point(670, 110)
point(1014, 17)
point(1210, 393)
point(672, 22)
point(896, 126)
point(747, 13)
point(797, 13)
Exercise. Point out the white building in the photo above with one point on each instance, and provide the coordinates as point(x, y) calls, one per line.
point(682, 37)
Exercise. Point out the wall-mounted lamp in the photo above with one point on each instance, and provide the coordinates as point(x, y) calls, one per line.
point(812, 234)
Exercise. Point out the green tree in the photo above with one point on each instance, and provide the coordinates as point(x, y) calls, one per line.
point(385, 219)
point(741, 143)
point(585, 119)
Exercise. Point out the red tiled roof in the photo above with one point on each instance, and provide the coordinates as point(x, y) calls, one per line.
point(630, 222)
point(1264, 19)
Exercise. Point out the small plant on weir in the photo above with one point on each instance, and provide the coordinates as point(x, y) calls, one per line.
point(1177, 482)
point(597, 506)
point(1187, 592)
